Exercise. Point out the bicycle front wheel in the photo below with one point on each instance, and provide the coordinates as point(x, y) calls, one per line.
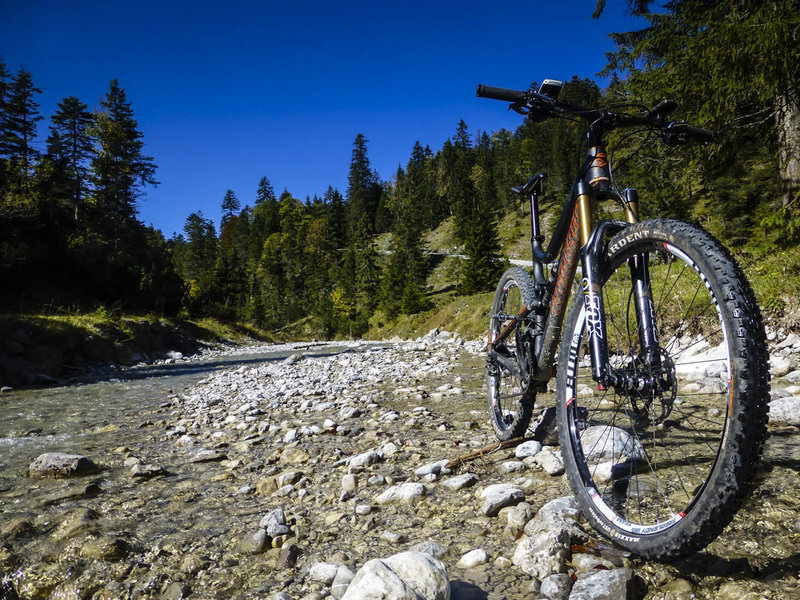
point(511, 398)
point(661, 464)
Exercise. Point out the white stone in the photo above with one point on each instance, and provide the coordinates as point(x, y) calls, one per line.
point(437, 468)
point(512, 466)
point(471, 559)
point(779, 365)
point(550, 461)
point(460, 481)
point(499, 496)
point(785, 410)
point(610, 442)
point(406, 576)
point(544, 554)
point(603, 585)
point(405, 493)
point(526, 449)
point(324, 572)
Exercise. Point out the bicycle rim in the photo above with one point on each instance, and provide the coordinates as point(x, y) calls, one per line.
point(510, 399)
point(646, 456)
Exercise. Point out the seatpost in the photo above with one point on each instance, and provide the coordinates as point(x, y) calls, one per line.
point(536, 238)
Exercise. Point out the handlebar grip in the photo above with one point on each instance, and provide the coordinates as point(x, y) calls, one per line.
point(496, 93)
point(704, 136)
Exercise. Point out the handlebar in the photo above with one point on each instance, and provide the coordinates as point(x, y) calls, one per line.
point(506, 95)
point(672, 132)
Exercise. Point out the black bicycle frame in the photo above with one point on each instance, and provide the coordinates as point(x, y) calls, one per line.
point(574, 236)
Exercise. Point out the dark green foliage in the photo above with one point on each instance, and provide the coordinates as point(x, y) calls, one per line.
point(69, 150)
point(230, 205)
point(69, 236)
point(18, 127)
point(734, 67)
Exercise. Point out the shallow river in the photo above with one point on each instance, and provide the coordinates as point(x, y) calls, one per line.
point(110, 535)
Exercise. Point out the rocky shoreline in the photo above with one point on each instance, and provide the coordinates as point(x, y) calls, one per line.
point(325, 475)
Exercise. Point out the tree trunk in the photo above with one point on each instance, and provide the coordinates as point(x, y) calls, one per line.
point(787, 119)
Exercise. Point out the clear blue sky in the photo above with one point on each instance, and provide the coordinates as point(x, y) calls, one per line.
point(228, 92)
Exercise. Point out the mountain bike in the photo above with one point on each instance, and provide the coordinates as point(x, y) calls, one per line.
point(662, 377)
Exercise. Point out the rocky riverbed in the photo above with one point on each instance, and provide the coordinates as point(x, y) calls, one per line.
point(323, 475)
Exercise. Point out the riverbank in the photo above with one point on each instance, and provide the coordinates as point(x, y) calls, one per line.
point(282, 477)
point(47, 350)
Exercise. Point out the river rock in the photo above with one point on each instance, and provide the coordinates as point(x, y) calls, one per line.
point(785, 410)
point(610, 442)
point(556, 586)
point(460, 481)
point(106, 548)
point(526, 449)
point(779, 365)
point(344, 575)
point(518, 515)
point(406, 493)
point(427, 547)
point(437, 468)
point(793, 377)
point(366, 458)
point(471, 559)
point(605, 585)
point(499, 496)
point(550, 461)
point(543, 554)
point(58, 464)
point(204, 456)
point(324, 572)
point(255, 542)
point(405, 576)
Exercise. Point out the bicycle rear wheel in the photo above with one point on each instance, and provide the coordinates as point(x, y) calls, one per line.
point(511, 399)
point(661, 466)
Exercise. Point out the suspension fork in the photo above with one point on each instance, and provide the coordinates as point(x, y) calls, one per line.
point(642, 290)
point(592, 261)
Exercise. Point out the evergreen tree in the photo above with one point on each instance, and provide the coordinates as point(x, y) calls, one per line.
point(363, 191)
point(18, 127)
point(734, 66)
point(230, 205)
point(69, 150)
point(336, 218)
point(264, 220)
point(119, 169)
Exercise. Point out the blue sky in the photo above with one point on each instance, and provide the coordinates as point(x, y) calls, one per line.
point(228, 92)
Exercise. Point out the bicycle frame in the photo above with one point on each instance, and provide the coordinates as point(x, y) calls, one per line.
point(579, 240)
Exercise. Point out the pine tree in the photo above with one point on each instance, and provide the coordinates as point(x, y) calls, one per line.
point(733, 66)
point(230, 205)
point(363, 190)
point(336, 218)
point(119, 169)
point(18, 126)
point(69, 150)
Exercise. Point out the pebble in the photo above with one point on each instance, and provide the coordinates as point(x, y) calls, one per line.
point(499, 496)
point(471, 559)
point(405, 493)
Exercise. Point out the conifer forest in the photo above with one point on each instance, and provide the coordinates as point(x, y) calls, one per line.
point(70, 235)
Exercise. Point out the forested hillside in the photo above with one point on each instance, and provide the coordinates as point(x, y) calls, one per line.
point(70, 236)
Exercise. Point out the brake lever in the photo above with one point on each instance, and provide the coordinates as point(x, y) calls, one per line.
point(673, 134)
point(519, 108)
